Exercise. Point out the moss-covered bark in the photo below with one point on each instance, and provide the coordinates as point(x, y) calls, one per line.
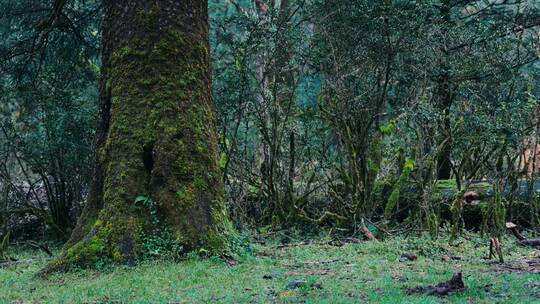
point(156, 137)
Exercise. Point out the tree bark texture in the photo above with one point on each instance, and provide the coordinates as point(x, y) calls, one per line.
point(156, 137)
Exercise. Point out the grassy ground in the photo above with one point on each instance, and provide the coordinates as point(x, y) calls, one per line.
point(330, 272)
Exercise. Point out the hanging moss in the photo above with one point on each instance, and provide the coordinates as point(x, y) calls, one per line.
point(457, 214)
point(394, 196)
point(494, 215)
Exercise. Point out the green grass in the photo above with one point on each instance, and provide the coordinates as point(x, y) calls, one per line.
point(367, 272)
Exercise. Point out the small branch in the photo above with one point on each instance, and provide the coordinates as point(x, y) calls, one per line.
point(42, 247)
point(369, 236)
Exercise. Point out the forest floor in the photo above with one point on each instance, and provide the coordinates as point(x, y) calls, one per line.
point(319, 271)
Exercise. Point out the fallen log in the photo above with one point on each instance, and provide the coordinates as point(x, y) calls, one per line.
point(530, 242)
point(521, 239)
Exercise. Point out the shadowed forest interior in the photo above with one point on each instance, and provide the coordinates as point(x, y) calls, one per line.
point(247, 136)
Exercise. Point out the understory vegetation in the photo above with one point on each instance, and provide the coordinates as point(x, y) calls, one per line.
point(383, 113)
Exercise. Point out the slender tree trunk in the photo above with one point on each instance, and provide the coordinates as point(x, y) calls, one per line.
point(286, 84)
point(444, 101)
point(157, 172)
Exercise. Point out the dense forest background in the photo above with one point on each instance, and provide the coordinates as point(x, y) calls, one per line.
point(389, 115)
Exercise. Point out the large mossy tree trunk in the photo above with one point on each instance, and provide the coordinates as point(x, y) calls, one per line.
point(156, 138)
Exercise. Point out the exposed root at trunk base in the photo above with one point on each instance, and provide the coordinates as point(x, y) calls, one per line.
point(123, 242)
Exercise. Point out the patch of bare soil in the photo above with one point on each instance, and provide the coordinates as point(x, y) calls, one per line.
point(521, 265)
point(452, 286)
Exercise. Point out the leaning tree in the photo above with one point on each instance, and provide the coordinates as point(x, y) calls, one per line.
point(157, 170)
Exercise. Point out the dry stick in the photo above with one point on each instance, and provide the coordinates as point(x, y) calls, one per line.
point(369, 236)
point(378, 227)
point(495, 244)
point(498, 248)
point(42, 247)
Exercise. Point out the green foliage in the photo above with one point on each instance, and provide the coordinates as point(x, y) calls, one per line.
point(389, 128)
point(447, 184)
point(158, 243)
point(151, 206)
point(320, 104)
point(48, 105)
